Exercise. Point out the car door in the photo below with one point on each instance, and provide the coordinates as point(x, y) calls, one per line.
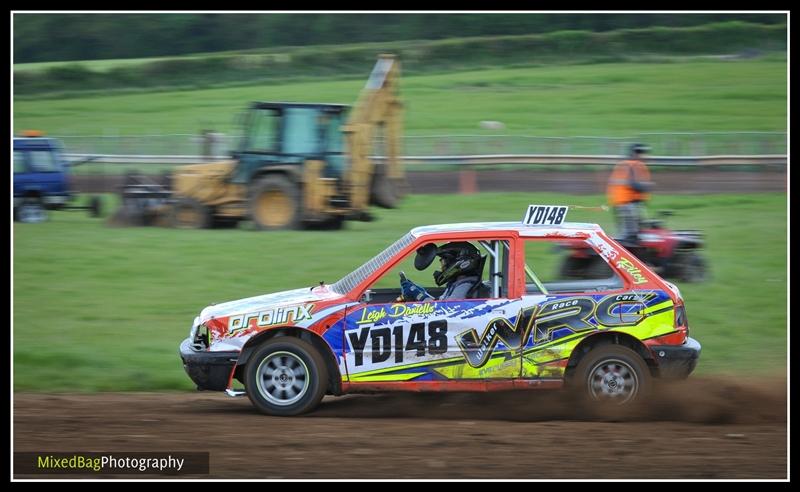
point(432, 341)
point(458, 339)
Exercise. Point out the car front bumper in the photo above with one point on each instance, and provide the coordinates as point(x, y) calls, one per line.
point(209, 370)
point(677, 361)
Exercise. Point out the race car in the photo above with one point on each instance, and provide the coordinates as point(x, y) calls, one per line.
point(516, 325)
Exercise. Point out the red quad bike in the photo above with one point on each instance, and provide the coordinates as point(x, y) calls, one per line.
point(672, 254)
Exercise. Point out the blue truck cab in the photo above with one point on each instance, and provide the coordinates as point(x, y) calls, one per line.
point(41, 180)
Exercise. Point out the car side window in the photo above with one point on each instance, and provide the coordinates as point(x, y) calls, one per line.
point(391, 279)
point(19, 162)
point(568, 267)
point(493, 282)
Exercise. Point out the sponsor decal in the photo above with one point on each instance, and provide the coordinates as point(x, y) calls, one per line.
point(270, 317)
point(604, 248)
point(395, 311)
point(477, 351)
point(541, 321)
point(552, 328)
point(633, 271)
point(623, 309)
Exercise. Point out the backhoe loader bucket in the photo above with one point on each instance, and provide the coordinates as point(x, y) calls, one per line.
point(144, 202)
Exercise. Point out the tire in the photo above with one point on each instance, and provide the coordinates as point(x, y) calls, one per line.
point(188, 213)
point(31, 211)
point(275, 204)
point(95, 207)
point(691, 267)
point(285, 376)
point(611, 375)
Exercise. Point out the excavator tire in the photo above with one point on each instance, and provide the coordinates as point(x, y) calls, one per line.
point(275, 203)
point(189, 213)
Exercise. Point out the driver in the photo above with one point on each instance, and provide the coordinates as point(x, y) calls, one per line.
point(462, 267)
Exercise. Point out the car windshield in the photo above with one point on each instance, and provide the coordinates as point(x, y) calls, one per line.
point(349, 281)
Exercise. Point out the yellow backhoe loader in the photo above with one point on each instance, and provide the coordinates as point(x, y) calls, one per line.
point(297, 165)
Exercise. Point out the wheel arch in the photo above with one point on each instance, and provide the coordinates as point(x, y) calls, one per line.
point(609, 338)
point(291, 171)
point(334, 376)
point(32, 193)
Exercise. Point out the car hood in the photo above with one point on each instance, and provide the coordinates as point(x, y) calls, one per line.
point(269, 301)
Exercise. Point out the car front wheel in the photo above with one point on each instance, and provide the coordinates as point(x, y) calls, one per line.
point(286, 376)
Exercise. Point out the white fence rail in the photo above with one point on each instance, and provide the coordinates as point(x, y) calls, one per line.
point(489, 159)
point(664, 144)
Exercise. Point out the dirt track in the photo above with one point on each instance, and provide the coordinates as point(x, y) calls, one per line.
point(699, 429)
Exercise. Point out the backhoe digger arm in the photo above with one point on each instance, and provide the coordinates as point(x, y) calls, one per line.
point(377, 107)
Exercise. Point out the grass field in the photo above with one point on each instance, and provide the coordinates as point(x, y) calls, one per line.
point(601, 99)
point(98, 308)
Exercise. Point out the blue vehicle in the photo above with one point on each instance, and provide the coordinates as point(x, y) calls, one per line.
point(41, 179)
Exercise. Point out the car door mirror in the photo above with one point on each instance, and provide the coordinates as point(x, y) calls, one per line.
point(366, 296)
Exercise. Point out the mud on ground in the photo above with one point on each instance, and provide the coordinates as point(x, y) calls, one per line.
point(703, 428)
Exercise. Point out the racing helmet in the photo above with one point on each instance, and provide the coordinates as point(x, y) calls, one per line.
point(638, 149)
point(458, 258)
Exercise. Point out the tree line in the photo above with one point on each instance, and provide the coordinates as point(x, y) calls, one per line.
point(734, 39)
point(84, 36)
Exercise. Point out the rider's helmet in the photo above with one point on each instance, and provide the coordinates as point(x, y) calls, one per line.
point(638, 149)
point(458, 258)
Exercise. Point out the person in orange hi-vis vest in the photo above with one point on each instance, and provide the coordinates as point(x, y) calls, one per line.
point(628, 190)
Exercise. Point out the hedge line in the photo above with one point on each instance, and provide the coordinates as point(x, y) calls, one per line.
point(418, 57)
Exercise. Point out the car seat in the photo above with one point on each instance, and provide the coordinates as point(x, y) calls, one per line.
point(480, 290)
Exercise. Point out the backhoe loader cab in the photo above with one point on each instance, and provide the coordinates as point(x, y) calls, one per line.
point(288, 134)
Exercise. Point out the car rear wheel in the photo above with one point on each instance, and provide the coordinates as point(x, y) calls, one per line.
point(612, 375)
point(286, 376)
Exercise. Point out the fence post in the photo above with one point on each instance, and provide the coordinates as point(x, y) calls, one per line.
point(467, 180)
